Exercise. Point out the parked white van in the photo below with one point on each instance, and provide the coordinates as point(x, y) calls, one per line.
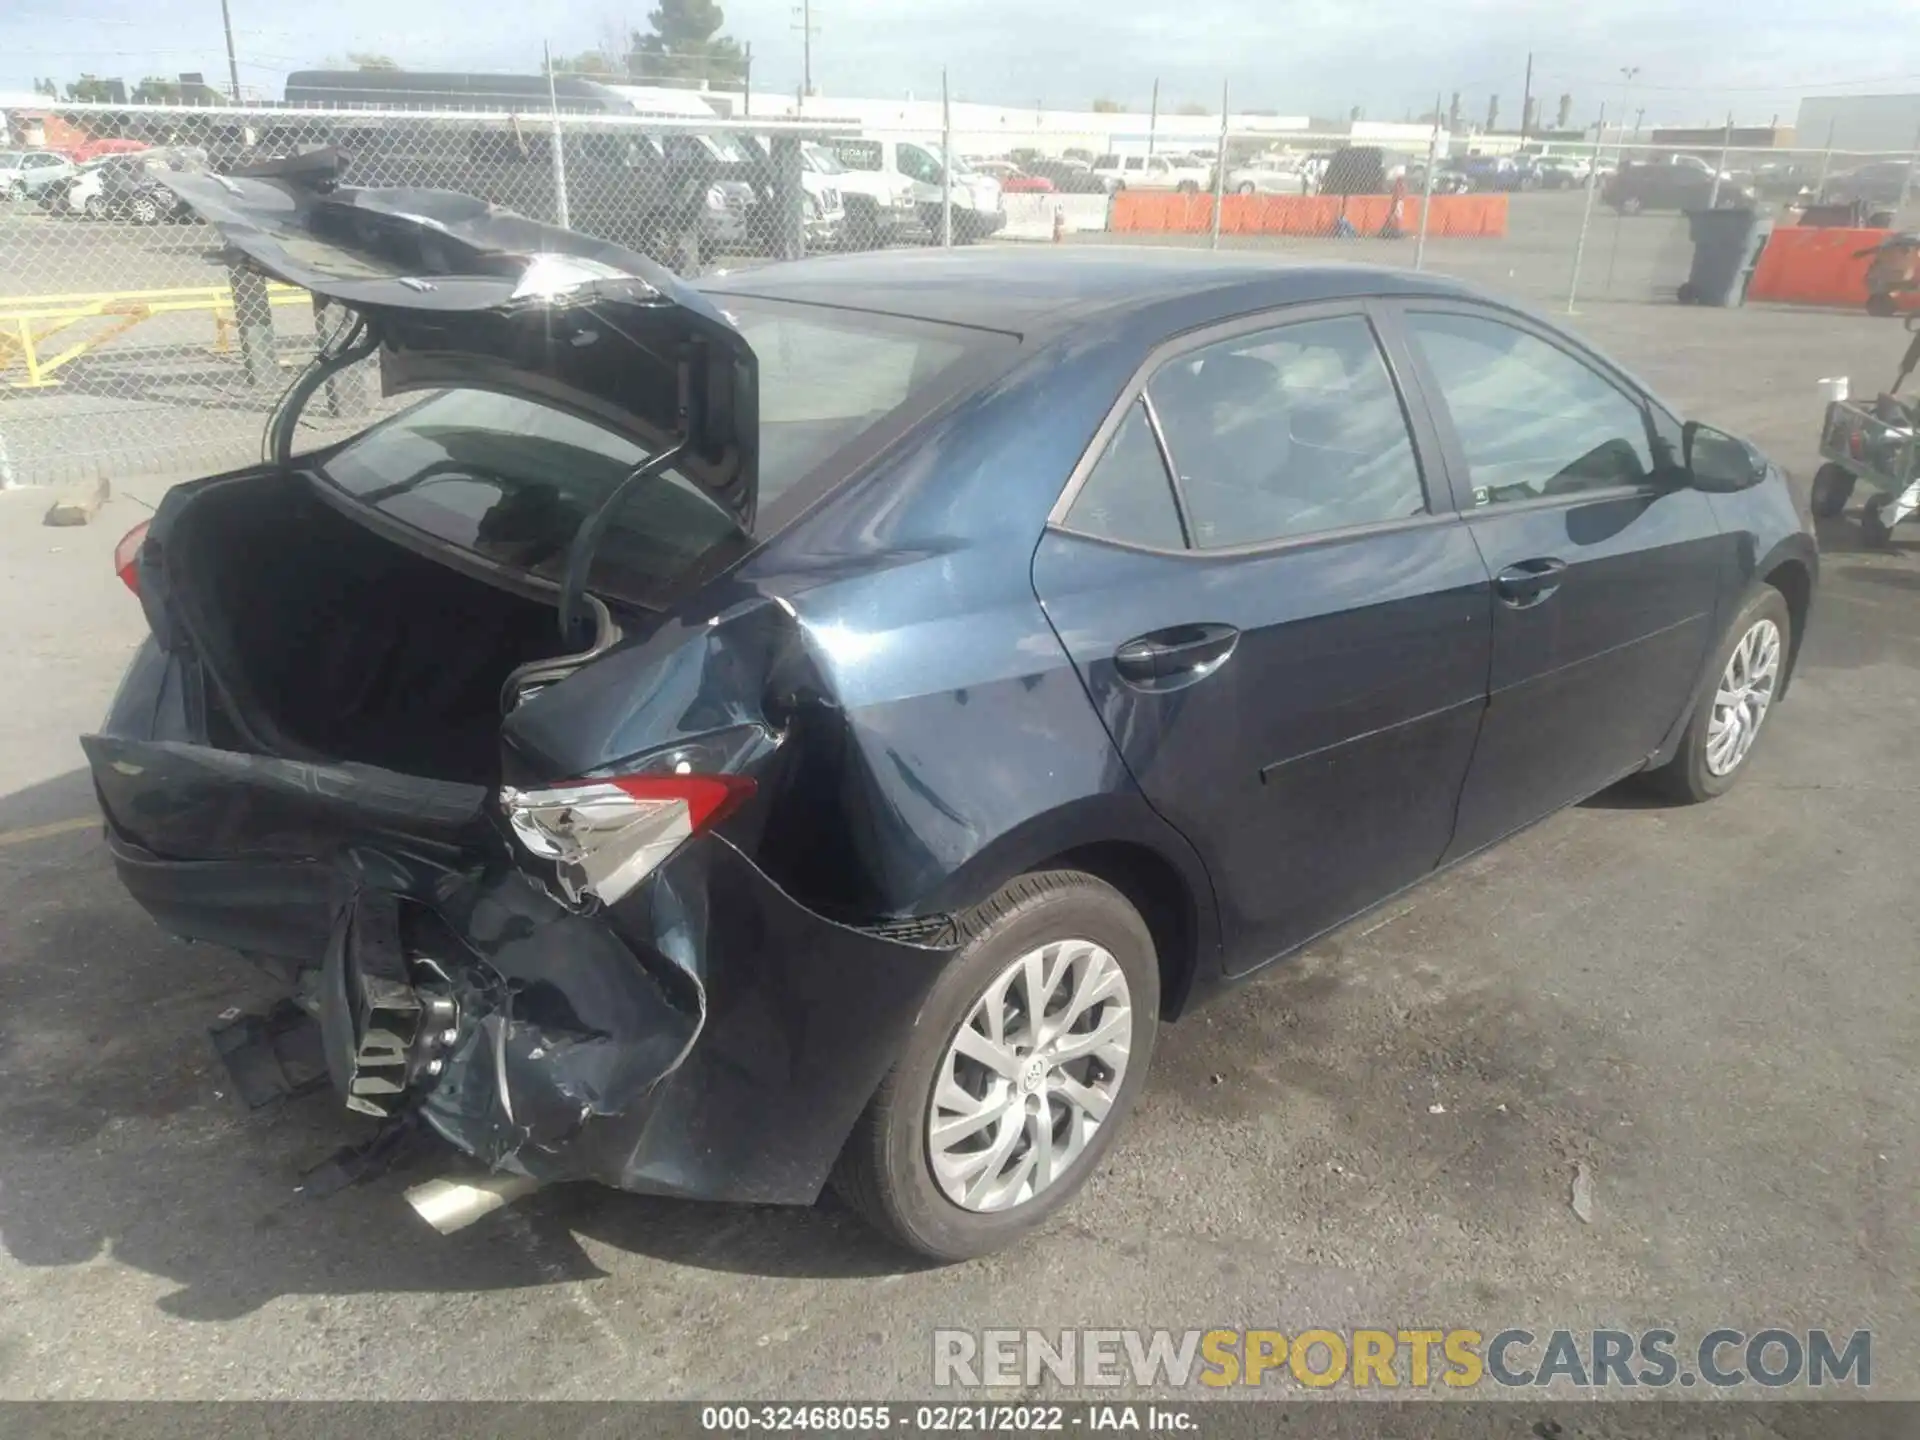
point(977, 207)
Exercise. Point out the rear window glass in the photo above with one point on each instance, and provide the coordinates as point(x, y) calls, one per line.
point(511, 478)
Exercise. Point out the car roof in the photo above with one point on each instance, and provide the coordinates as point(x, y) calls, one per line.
point(1026, 291)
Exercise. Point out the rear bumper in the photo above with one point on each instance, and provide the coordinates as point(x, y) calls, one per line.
point(707, 1037)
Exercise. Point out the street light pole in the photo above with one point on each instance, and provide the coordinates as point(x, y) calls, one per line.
point(1627, 75)
point(233, 65)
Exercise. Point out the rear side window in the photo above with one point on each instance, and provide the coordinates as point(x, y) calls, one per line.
point(1129, 496)
point(1287, 432)
point(511, 478)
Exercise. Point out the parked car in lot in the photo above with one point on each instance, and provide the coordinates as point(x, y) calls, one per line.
point(1070, 177)
point(1562, 172)
point(29, 174)
point(1881, 183)
point(1677, 182)
point(1363, 170)
point(1448, 179)
point(1155, 172)
point(133, 186)
point(819, 724)
point(1013, 179)
point(1268, 177)
point(1491, 173)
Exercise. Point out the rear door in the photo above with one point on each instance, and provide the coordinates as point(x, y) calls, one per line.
point(1604, 572)
point(1288, 644)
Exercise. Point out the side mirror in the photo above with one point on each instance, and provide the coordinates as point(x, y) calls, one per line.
point(1719, 462)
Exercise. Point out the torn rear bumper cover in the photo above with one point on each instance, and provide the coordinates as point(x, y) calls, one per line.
point(707, 1037)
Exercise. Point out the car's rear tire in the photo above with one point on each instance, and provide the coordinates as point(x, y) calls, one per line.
point(1017, 1138)
point(1832, 488)
point(1245, 187)
point(1631, 205)
point(144, 210)
point(95, 208)
point(1746, 672)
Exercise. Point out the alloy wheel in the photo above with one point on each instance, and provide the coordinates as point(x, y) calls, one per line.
point(1029, 1076)
point(1746, 691)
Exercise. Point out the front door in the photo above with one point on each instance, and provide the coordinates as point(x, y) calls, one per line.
point(1288, 643)
point(1604, 572)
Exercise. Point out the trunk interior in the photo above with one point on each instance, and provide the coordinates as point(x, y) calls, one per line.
point(335, 643)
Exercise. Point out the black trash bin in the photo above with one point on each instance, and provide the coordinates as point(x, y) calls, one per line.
point(1726, 247)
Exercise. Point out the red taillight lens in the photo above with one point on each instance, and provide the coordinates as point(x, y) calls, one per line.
point(709, 798)
point(126, 556)
point(606, 836)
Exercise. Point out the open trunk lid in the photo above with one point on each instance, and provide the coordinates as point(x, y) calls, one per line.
point(457, 292)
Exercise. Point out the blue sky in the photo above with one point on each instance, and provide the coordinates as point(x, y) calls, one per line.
point(1696, 62)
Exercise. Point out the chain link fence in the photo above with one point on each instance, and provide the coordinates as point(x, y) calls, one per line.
point(129, 345)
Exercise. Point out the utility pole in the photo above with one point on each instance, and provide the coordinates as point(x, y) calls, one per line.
point(805, 11)
point(233, 65)
point(1526, 99)
point(1628, 73)
point(1153, 114)
point(746, 81)
point(1726, 144)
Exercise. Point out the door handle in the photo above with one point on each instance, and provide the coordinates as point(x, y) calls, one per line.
point(1179, 655)
point(1529, 582)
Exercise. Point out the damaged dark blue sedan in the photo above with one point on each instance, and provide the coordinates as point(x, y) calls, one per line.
point(818, 725)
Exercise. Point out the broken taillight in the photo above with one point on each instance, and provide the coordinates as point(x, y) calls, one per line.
point(605, 836)
point(126, 556)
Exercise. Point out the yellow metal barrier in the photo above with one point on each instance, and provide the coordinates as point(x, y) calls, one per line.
point(27, 322)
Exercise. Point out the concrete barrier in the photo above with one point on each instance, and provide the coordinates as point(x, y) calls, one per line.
point(1030, 217)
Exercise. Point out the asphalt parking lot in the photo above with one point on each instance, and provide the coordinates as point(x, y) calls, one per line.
point(1710, 1011)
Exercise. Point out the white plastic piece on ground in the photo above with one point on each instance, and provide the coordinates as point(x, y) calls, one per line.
point(1833, 387)
point(1030, 217)
point(450, 1205)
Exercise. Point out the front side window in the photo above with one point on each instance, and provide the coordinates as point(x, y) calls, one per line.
point(1533, 420)
point(1287, 432)
point(917, 164)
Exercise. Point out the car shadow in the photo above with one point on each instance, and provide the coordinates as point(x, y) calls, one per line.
point(1840, 535)
point(125, 1139)
point(1632, 793)
point(1878, 576)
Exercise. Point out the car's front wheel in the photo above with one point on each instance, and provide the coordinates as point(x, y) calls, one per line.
point(1748, 669)
point(1024, 1062)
